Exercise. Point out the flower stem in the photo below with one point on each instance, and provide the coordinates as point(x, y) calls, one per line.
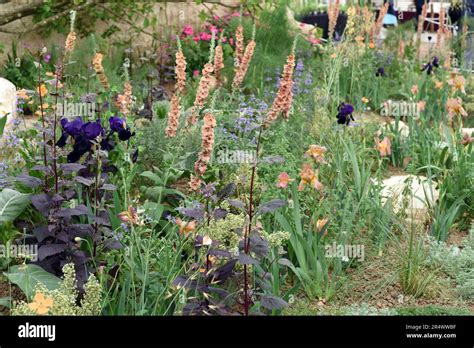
point(249, 227)
point(45, 159)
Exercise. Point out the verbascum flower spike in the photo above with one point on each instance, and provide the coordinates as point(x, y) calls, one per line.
point(195, 183)
point(333, 14)
point(99, 70)
point(218, 63)
point(239, 44)
point(204, 87)
point(350, 26)
point(368, 21)
point(71, 38)
point(284, 98)
point(421, 21)
point(244, 64)
point(180, 69)
point(173, 117)
point(201, 94)
point(379, 23)
point(124, 100)
point(207, 144)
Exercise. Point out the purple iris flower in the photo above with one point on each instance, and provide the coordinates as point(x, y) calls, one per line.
point(429, 67)
point(380, 71)
point(119, 125)
point(81, 146)
point(345, 114)
point(70, 128)
point(82, 133)
point(73, 128)
point(92, 130)
point(85, 133)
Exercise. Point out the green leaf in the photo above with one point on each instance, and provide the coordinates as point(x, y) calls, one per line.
point(202, 15)
point(5, 301)
point(12, 204)
point(152, 176)
point(173, 192)
point(3, 122)
point(27, 277)
point(154, 210)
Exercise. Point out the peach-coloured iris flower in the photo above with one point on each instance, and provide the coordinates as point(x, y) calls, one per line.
point(186, 227)
point(384, 147)
point(283, 180)
point(317, 152)
point(310, 177)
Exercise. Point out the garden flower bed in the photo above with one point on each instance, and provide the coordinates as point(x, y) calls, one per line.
point(247, 168)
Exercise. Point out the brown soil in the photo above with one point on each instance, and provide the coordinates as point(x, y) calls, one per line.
point(182, 185)
point(456, 237)
point(7, 290)
point(392, 171)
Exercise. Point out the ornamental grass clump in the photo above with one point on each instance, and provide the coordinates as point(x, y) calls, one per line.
point(64, 300)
